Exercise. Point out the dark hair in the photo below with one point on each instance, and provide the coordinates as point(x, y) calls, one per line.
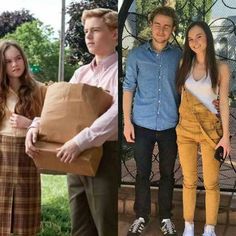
point(189, 56)
point(165, 11)
point(28, 104)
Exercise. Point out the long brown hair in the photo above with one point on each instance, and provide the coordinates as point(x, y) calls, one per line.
point(189, 56)
point(28, 104)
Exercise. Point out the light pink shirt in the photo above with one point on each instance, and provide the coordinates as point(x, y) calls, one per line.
point(105, 127)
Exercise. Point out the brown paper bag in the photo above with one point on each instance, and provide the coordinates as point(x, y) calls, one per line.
point(69, 108)
point(86, 164)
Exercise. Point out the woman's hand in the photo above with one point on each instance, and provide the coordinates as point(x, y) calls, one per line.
point(225, 143)
point(20, 122)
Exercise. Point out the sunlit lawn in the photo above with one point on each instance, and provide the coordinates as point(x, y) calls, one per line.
point(55, 209)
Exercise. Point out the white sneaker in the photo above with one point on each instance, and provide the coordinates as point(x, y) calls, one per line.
point(188, 229)
point(168, 228)
point(137, 227)
point(209, 230)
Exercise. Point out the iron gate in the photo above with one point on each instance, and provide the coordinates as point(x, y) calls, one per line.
point(133, 25)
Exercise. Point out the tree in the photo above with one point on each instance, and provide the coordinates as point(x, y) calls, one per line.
point(191, 10)
point(41, 50)
point(9, 21)
point(75, 34)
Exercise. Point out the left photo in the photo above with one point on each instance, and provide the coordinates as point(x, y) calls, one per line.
point(59, 161)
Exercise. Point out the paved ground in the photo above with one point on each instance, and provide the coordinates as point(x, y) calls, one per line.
point(226, 225)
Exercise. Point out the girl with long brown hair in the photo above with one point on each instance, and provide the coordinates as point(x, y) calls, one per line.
point(201, 79)
point(21, 99)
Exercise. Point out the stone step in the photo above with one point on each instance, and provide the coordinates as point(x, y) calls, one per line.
point(227, 211)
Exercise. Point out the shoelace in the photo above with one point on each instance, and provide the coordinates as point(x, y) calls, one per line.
point(137, 223)
point(168, 226)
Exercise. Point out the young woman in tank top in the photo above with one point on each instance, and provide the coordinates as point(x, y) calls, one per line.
point(200, 80)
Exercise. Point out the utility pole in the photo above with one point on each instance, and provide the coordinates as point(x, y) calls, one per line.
point(62, 43)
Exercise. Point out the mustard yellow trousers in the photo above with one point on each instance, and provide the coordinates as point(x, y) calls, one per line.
point(197, 126)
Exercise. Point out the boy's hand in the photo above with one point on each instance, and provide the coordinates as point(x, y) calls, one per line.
point(30, 140)
point(68, 152)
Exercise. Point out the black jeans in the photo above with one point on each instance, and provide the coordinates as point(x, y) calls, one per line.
point(145, 140)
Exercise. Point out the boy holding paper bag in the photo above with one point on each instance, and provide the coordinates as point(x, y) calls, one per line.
point(93, 200)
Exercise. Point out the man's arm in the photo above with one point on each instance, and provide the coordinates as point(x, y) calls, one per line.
point(128, 126)
point(101, 130)
point(129, 86)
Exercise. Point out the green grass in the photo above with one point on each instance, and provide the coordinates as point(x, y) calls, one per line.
point(55, 208)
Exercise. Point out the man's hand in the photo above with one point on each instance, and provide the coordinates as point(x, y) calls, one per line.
point(129, 132)
point(30, 140)
point(68, 152)
point(20, 122)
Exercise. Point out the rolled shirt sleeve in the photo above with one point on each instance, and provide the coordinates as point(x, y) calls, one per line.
point(130, 80)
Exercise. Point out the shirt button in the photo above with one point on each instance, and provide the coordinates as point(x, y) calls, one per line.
point(159, 101)
point(159, 90)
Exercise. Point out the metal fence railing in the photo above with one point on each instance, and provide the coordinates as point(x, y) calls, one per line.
point(223, 26)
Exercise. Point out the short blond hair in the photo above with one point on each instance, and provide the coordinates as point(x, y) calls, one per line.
point(109, 16)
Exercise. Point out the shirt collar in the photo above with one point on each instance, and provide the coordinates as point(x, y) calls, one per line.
point(105, 63)
point(149, 46)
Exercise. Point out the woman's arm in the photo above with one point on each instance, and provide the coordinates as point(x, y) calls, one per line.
point(224, 76)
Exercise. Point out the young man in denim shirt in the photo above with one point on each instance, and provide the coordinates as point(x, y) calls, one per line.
point(150, 79)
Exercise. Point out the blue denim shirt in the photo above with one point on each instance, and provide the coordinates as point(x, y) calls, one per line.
point(152, 77)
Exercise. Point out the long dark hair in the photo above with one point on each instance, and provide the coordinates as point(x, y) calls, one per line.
point(28, 104)
point(189, 56)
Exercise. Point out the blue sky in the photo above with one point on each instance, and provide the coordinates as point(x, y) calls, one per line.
point(220, 10)
point(48, 11)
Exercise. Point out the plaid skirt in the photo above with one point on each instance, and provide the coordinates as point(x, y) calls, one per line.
point(19, 189)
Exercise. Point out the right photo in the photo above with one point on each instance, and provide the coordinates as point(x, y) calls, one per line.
point(177, 103)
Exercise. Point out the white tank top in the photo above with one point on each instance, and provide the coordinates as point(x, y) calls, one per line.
point(202, 89)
